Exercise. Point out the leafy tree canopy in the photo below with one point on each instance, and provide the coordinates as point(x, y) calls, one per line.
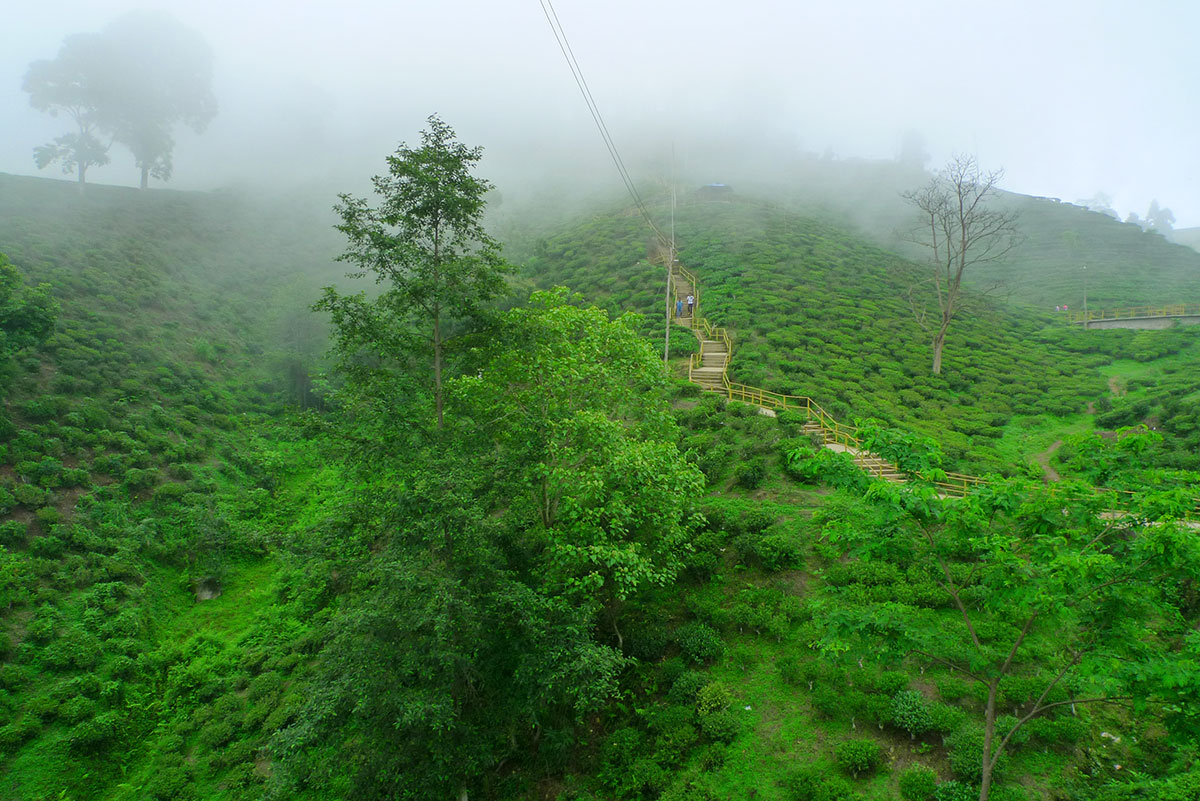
point(426, 244)
point(1047, 590)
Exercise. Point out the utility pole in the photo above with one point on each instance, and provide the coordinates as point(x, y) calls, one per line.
point(1085, 315)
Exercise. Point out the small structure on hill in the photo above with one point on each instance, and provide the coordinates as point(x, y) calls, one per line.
point(715, 192)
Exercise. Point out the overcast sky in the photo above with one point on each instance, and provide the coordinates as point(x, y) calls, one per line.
point(1070, 97)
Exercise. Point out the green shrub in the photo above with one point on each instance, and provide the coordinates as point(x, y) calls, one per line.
point(952, 688)
point(47, 516)
point(699, 642)
point(171, 783)
point(675, 733)
point(17, 732)
point(74, 650)
point(76, 477)
point(791, 670)
point(910, 712)
point(138, 479)
point(828, 701)
point(750, 474)
point(712, 460)
point(8, 501)
point(47, 547)
point(1005, 724)
point(1064, 729)
point(966, 755)
point(217, 733)
point(723, 727)
point(170, 492)
point(713, 697)
point(122, 667)
point(918, 783)
point(77, 709)
point(945, 719)
point(813, 783)
point(13, 532)
point(955, 791)
point(11, 676)
point(891, 682)
point(96, 735)
point(858, 756)
point(777, 552)
point(30, 496)
point(714, 757)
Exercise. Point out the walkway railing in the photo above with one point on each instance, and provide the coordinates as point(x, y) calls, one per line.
point(1134, 312)
point(833, 432)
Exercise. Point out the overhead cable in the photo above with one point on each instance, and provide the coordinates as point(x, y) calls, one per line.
point(565, 46)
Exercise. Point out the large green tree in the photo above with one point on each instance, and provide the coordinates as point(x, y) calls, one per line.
point(584, 443)
point(1052, 602)
point(486, 557)
point(425, 244)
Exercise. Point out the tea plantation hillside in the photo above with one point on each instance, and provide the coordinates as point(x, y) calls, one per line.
point(1126, 266)
point(141, 470)
point(1189, 237)
point(219, 583)
point(816, 311)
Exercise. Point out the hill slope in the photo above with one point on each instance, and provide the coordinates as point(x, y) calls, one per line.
point(1126, 266)
point(144, 478)
point(815, 311)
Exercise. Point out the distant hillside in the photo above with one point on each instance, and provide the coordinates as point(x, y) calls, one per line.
point(1126, 266)
point(815, 310)
point(1188, 236)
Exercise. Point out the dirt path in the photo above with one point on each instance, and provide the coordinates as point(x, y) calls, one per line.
point(1049, 474)
point(1115, 385)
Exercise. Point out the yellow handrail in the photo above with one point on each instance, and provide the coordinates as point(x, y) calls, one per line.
point(1134, 312)
point(831, 431)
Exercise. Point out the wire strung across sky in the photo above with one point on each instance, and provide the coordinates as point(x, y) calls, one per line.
point(565, 46)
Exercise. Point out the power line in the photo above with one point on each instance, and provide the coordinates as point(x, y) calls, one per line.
point(576, 72)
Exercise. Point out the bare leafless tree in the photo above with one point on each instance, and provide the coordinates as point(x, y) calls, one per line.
point(960, 228)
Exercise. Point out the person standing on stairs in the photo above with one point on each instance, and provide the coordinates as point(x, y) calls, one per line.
point(678, 308)
point(691, 301)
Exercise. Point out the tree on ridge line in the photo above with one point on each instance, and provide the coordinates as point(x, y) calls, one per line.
point(130, 84)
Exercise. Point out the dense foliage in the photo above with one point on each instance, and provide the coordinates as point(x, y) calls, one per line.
point(221, 581)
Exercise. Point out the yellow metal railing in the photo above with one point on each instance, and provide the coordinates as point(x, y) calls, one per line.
point(830, 430)
point(1134, 312)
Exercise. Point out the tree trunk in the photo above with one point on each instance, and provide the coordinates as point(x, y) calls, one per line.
point(82, 177)
point(437, 363)
point(939, 341)
point(145, 176)
point(462, 794)
point(989, 733)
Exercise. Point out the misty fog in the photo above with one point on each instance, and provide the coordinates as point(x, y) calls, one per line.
point(1070, 98)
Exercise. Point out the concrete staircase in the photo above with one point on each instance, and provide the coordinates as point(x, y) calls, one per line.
point(714, 356)
point(710, 375)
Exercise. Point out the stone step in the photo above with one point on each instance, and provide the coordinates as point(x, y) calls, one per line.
point(708, 374)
